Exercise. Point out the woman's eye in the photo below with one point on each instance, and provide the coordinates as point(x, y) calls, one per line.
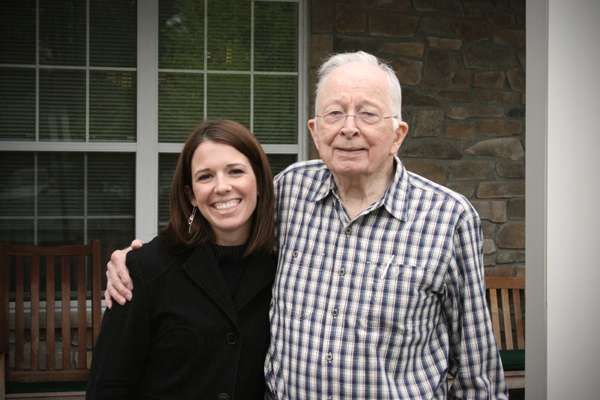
point(236, 172)
point(203, 177)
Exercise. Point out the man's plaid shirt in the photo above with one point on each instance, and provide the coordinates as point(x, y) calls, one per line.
point(383, 306)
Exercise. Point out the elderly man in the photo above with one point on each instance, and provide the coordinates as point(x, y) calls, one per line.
point(380, 290)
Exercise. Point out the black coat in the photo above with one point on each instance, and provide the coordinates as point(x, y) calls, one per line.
point(183, 336)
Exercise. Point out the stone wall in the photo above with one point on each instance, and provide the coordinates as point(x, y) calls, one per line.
point(461, 64)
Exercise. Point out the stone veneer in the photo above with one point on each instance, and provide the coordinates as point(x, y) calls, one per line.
point(461, 64)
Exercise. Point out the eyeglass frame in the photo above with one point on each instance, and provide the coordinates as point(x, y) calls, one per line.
point(355, 117)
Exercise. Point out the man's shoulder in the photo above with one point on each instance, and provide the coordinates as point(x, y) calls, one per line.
point(303, 167)
point(303, 173)
point(424, 186)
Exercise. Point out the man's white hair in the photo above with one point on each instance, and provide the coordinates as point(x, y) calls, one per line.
point(337, 60)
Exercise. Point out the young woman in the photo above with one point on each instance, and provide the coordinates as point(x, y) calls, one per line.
point(198, 325)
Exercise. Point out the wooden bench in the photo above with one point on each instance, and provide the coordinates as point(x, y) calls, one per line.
point(44, 296)
point(506, 301)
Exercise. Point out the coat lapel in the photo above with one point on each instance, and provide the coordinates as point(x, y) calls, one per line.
point(259, 272)
point(202, 268)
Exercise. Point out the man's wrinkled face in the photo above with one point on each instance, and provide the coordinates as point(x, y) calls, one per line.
point(356, 149)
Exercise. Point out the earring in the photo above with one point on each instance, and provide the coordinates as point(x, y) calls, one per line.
point(191, 219)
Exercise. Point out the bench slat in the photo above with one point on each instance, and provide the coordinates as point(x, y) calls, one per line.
point(519, 320)
point(507, 320)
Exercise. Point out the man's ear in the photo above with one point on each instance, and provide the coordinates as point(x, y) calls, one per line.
point(312, 127)
point(190, 195)
point(400, 135)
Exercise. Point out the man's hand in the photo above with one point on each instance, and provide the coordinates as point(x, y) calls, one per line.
point(119, 284)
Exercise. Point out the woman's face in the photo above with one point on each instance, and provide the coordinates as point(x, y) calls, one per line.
point(225, 191)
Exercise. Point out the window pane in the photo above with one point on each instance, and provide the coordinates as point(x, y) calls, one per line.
point(276, 109)
point(113, 33)
point(275, 36)
point(181, 34)
point(17, 231)
point(17, 32)
point(111, 184)
point(60, 184)
point(62, 105)
point(113, 234)
point(279, 162)
point(62, 32)
point(113, 106)
point(16, 184)
point(180, 105)
point(17, 104)
point(229, 35)
point(166, 170)
point(229, 98)
point(56, 232)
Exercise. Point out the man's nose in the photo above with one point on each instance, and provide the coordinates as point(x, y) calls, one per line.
point(349, 128)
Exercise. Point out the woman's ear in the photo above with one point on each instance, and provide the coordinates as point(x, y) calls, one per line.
point(190, 195)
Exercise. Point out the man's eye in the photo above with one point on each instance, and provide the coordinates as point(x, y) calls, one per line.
point(335, 113)
point(368, 114)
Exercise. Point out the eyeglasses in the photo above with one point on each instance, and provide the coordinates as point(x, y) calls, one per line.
point(336, 119)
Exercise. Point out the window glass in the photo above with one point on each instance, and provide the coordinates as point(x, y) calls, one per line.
point(181, 34)
point(62, 196)
point(113, 106)
point(17, 32)
point(181, 105)
point(275, 36)
point(111, 184)
point(279, 162)
point(228, 97)
point(17, 184)
point(60, 184)
point(276, 109)
point(229, 30)
point(62, 32)
point(62, 105)
point(113, 33)
point(17, 104)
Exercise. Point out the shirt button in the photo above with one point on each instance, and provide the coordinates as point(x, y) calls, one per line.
point(231, 338)
point(342, 272)
point(295, 254)
point(348, 231)
point(329, 357)
point(223, 396)
point(334, 313)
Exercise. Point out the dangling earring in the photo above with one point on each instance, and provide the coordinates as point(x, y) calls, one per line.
point(191, 219)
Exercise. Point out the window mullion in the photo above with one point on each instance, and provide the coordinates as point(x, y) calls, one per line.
point(146, 203)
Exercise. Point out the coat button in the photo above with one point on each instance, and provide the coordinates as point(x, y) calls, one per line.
point(231, 338)
point(223, 396)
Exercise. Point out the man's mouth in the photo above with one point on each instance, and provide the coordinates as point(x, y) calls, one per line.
point(227, 205)
point(350, 150)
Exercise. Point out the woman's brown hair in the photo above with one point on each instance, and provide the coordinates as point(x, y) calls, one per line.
point(262, 234)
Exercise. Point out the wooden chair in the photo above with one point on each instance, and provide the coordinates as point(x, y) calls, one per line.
point(23, 269)
point(506, 298)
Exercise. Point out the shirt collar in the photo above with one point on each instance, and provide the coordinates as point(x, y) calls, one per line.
point(394, 199)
